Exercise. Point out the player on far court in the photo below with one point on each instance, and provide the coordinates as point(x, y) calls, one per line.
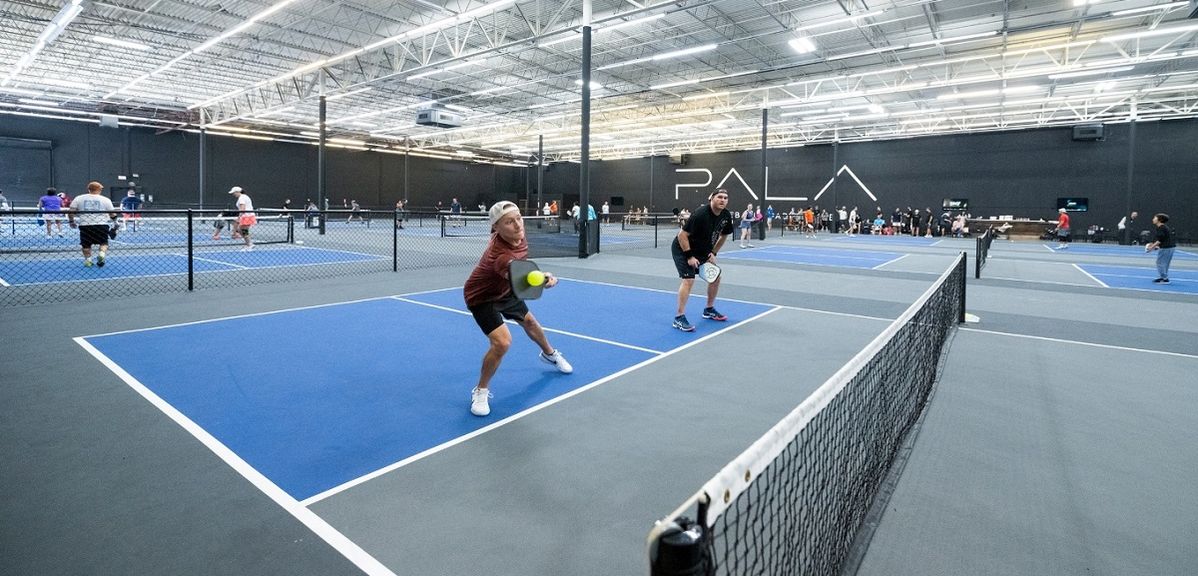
point(489, 297)
point(700, 239)
point(245, 217)
point(1062, 229)
point(92, 223)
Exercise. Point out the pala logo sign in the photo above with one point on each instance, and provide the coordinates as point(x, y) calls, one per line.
point(733, 172)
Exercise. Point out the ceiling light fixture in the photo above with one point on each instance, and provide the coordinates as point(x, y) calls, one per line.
point(802, 45)
point(122, 43)
point(48, 35)
point(852, 18)
point(1082, 73)
point(1147, 33)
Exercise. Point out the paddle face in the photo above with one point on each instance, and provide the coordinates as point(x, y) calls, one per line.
point(518, 272)
point(709, 272)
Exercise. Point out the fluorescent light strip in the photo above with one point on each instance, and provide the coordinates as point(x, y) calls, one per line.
point(852, 18)
point(48, 35)
point(1147, 33)
point(663, 56)
point(122, 43)
point(480, 11)
point(350, 93)
point(37, 102)
point(1168, 6)
point(1082, 73)
point(206, 45)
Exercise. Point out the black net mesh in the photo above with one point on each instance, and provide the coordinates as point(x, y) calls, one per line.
point(800, 513)
point(179, 250)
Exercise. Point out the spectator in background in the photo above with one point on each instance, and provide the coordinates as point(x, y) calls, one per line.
point(66, 200)
point(50, 205)
point(129, 206)
point(286, 207)
point(746, 225)
point(606, 211)
point(311, 213)
point(769, 217)
point(1125, 228)
point(355, 212)
point(1164, 243)
point(546, 210)
point(399, 214)
point(929, 222)
point(4, 207)
point(553, 208)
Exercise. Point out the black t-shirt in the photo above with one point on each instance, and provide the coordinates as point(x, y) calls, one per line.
point(1165, 236)
point(704, 229)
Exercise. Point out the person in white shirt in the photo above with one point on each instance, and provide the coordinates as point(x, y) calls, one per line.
point(87, 213)
point(606, 210)
point(1125, 225)
point(245, 216)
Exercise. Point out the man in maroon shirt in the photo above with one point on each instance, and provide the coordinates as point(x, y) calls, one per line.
point(489, 297)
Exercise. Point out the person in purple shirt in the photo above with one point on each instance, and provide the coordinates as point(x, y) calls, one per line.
point(50, 206)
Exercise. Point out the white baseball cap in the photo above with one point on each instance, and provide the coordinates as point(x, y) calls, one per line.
point(234, 189)
point(500, 209)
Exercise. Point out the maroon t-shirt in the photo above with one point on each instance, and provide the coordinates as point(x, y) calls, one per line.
point(489, 280)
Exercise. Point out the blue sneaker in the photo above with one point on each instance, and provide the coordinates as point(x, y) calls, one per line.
point(681, 323)
point(713, 314)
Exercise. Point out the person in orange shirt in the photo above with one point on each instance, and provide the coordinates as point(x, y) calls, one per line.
point(1062, 229)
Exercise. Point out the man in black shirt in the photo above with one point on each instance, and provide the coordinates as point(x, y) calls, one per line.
point(700, 239)
point(1164, 244)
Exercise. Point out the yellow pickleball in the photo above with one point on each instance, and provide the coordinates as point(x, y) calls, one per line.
point(536, 278)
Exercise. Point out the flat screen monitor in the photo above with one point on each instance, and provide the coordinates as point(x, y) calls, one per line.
point(1073, 204)
point(956, 203)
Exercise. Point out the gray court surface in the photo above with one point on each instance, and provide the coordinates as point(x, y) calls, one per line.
point(1058, 441)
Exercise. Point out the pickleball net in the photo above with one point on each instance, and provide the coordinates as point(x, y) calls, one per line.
point(455, 226)
point(794, 501)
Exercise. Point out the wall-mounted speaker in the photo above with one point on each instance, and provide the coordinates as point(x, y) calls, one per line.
point(1091, 133)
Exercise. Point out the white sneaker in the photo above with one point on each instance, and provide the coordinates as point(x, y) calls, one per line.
point(557, 360)
point(478, 402)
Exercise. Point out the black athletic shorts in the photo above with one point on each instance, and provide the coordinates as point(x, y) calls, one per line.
point(684, 269)
point(95, 234)
point(490, 315)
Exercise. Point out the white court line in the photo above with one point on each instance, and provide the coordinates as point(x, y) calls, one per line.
point(435, 449)
point(323, 529)
point(221, 262)
point(4, 284)
point(936, 242)
point(543, 327)
point(1081, 343)
point(1091, 276)
point(1049, 248)
point(890, 262)
point(783, 306)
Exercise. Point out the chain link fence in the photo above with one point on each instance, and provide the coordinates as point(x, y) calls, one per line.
point(155, 251)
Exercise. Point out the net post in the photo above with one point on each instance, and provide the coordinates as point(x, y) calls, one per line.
point(977, 257)
point(395, 241)
point(322, 217)
point(290, 229)
point(655, 232)
point(442, 218)
point(191, 273)
point(963, 272)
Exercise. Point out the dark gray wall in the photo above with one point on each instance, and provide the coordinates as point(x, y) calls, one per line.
point(1021, 173)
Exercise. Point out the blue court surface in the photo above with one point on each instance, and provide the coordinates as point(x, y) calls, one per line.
point(134, 265)
point(815, 256)
point(1182, 281)
point(356, 387)
point(1117, 250)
